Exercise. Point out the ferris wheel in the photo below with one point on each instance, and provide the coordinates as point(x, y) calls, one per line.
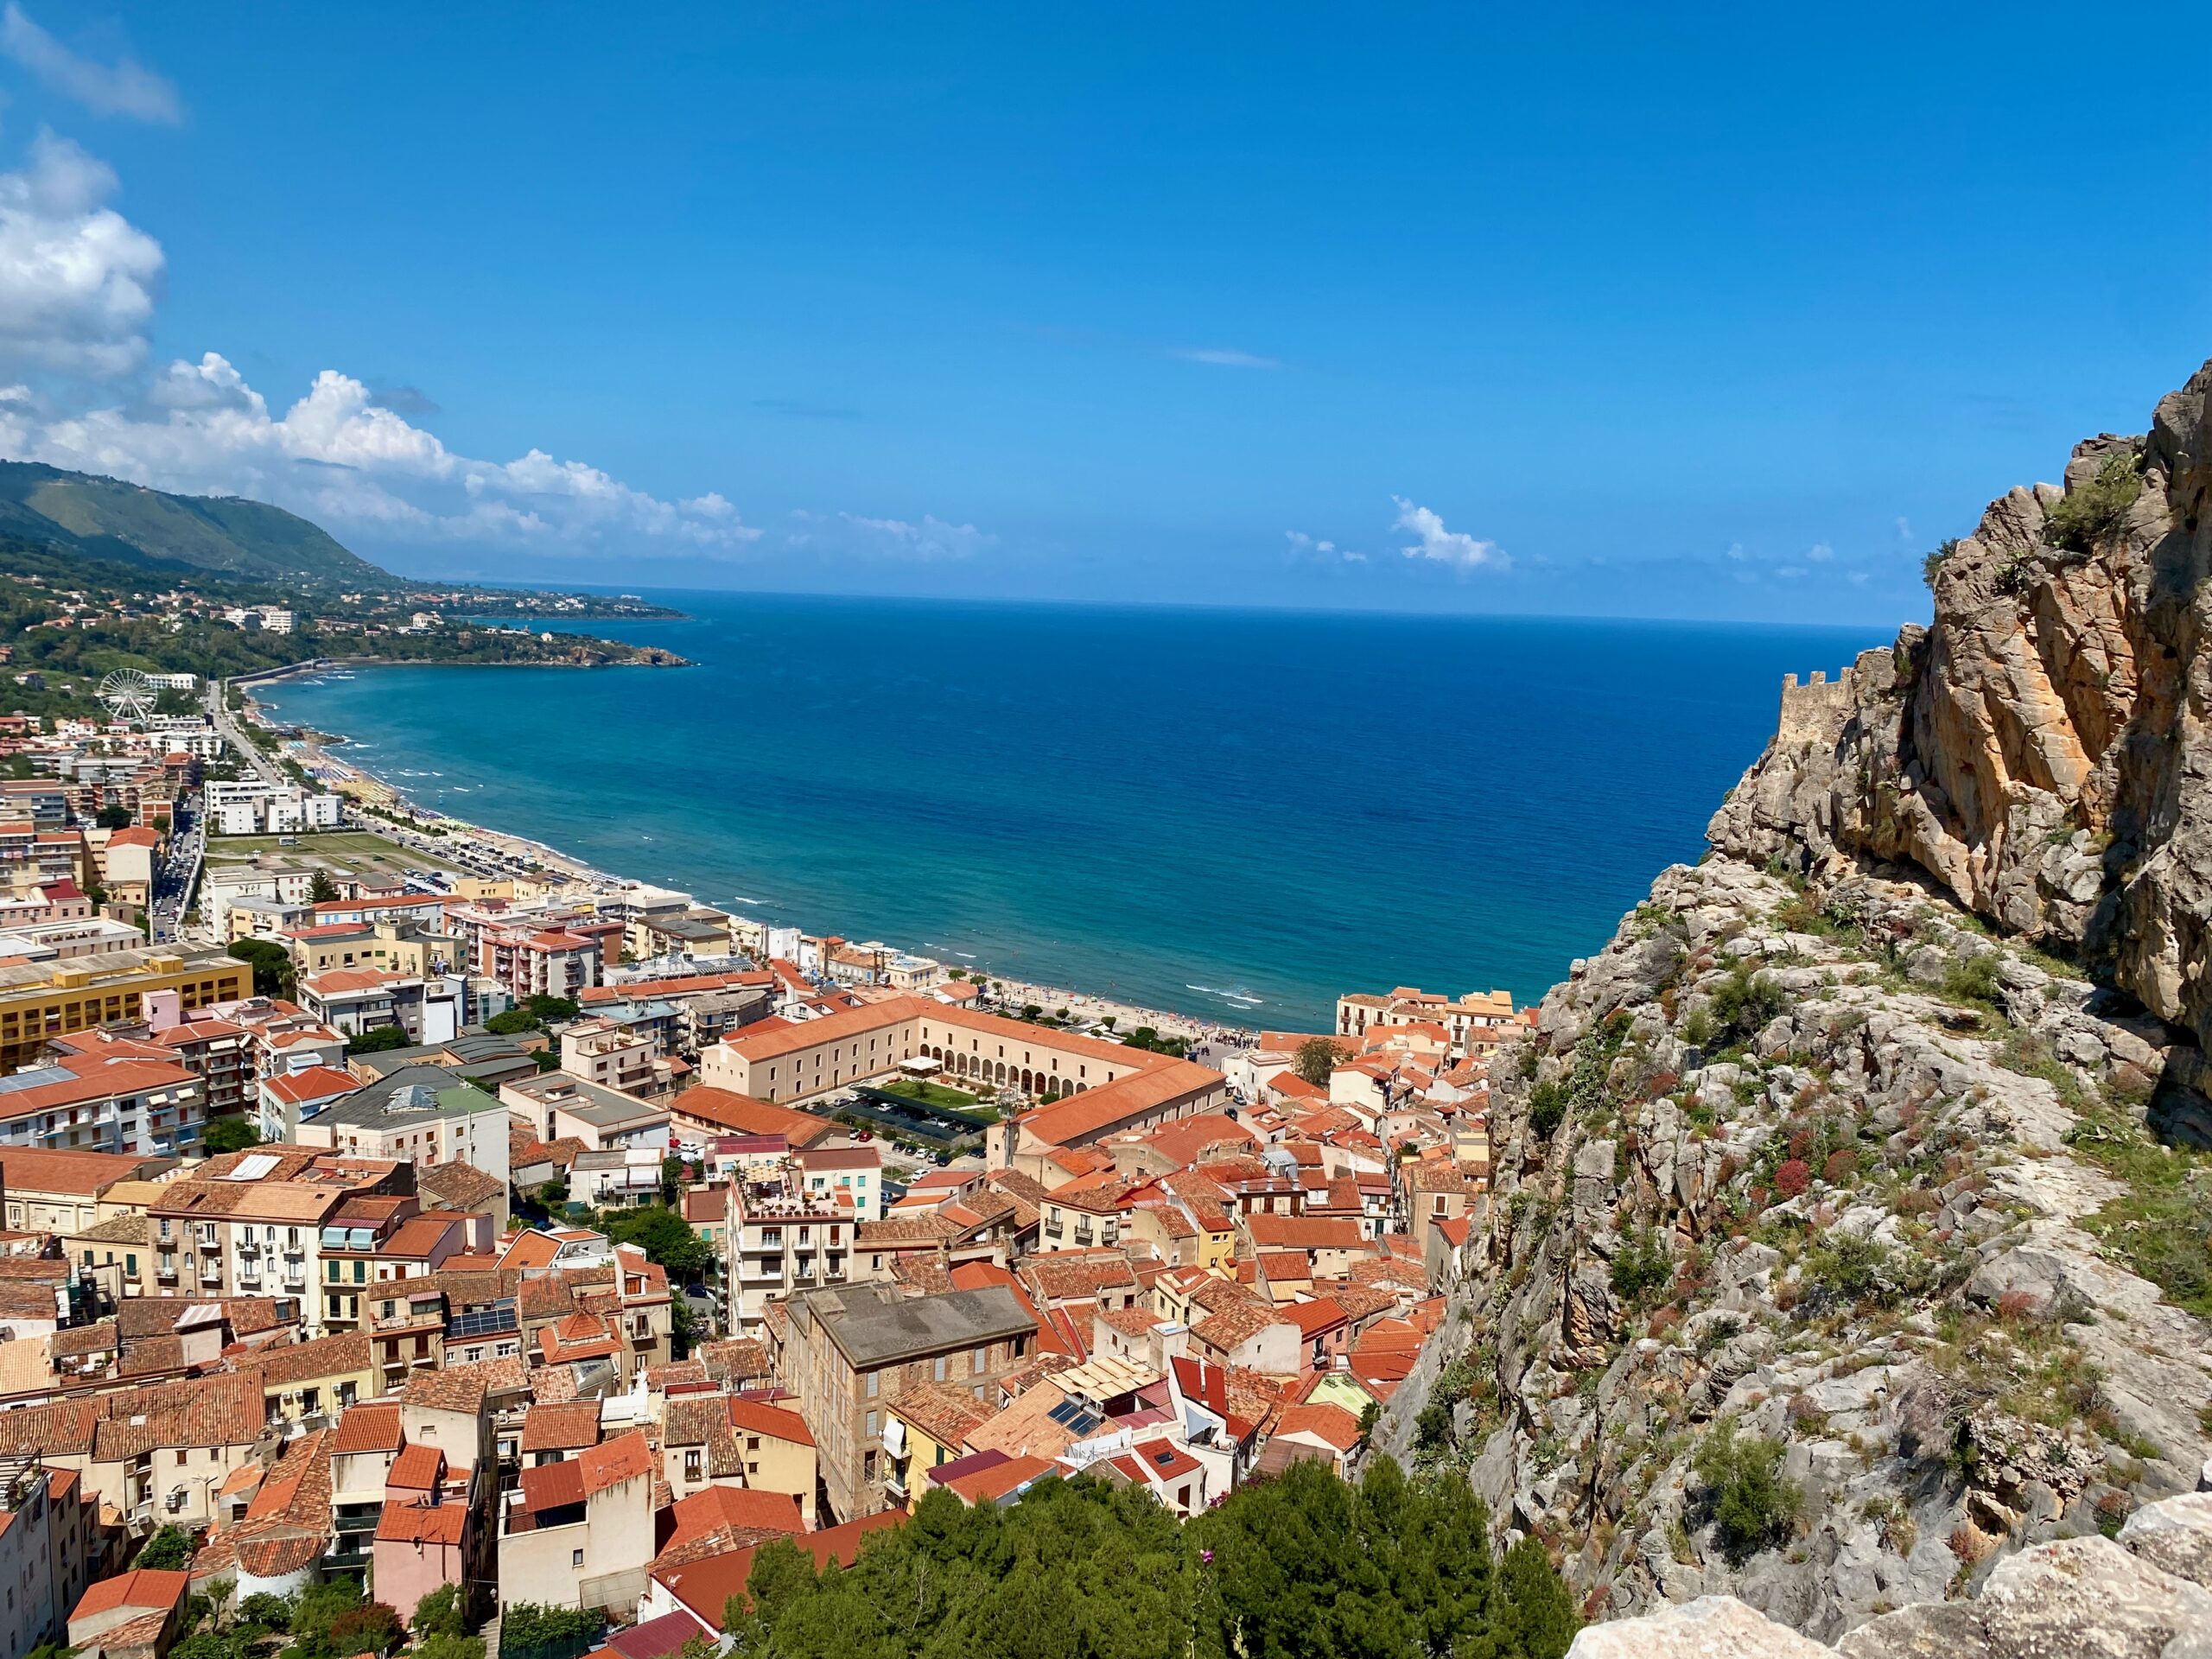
point(128, 694)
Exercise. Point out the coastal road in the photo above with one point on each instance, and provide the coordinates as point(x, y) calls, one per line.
point(243, 747)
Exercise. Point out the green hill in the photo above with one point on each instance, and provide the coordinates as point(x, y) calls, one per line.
point(128, 523)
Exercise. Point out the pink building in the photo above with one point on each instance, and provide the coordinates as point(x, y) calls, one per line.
point(427, 1534)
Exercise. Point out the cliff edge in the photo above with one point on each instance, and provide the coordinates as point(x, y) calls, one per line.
point(1845, 1257)
point(2042, 750)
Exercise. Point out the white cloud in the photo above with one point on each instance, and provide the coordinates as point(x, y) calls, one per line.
point(339, 458)
point(1216, 359)
point(1322, 549)
point(77, 281)
point(1735, 550)
point(1452, 547)
point(852, 533)
point(78, 288)
point(1820, 553)
point(122, 88)
point(1905, 529)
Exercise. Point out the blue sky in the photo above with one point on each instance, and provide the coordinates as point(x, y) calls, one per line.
point(1610, 310)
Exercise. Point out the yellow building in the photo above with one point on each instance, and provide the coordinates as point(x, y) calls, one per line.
point(39, 1000)
point(384, 947)
point(933, 1423)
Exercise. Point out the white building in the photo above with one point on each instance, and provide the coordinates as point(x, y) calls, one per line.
point(251, 807)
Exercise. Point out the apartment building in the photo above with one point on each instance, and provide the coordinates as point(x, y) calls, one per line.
point(778, 1237)
point(616, 1055)
point(252, 1222)
point(393, 947)
point(43, 999)
point(219, 1053)
point(707, 1007)
point(60, 1192)
point(423, 1114)
point(96, 1102)
point(430, 1008)
point(848, 1353)
point(579, 1532)
point(558, 1106)
point(1473, 1014)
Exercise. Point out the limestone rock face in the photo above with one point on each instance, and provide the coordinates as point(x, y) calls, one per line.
point(2145, 1597)
point(2042, 749)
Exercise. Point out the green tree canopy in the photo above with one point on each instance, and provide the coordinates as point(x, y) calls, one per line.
point(271, 963)
point(230, 1134)
point(439, 1613)
point(1298, 1566)
point(1315, 1058)
point(378, 1038)
point(167, 1548)
point(663, 1236)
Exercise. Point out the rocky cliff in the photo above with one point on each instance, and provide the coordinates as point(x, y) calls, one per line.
point(1836, 1253)
point(2042, 749)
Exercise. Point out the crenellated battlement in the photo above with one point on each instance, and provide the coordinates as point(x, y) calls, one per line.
point(1816, 708)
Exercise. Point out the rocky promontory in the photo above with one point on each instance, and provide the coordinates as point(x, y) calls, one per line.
point(1847, 1263)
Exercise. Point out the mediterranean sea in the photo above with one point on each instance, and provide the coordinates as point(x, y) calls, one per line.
point(1235, 814)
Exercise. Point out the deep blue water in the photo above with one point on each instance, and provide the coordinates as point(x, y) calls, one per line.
point(1162, 804)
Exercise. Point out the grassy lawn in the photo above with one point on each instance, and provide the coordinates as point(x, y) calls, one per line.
point(353, 851)
point(930, 1094)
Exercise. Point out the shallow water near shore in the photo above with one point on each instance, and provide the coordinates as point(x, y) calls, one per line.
point(1238, 814)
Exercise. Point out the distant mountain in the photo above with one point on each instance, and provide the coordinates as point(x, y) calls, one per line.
point(128, 523)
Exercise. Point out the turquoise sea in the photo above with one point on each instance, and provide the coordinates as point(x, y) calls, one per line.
point(1238, 814)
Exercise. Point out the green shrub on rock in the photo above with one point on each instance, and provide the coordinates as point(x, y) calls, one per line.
point(1752, 1507)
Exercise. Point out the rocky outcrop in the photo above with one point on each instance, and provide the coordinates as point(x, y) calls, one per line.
point(1837, 1268)
point(2087, 1597)
point(2042, 748)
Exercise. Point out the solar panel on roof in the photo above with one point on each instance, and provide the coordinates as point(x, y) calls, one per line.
point(485, 1321)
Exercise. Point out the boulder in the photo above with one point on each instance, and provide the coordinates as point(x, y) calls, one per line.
point(1711, 1627)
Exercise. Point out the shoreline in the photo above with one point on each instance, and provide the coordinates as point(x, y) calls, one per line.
point(320, 752)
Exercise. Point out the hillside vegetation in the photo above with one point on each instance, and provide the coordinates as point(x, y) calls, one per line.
point(107, 519)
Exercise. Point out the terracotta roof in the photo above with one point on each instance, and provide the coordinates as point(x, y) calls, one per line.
point(567, 1428)
point(989, 1483)
point(552, 1486)
point(1072, 1275)
point(1332, 1424)
point(656, 1638)
point(85, 1174)
point(725, 1518)
point(945, 1415)
point(423, 1523)
point(302, 1362)
point(744, 1114)
point(739, 1359)
point(315, 1083)
point(418, 1469)
point(372, 1427)
point(705, 1587)
point(755, 1417)
point(1271, 1232)
point(612, 1462)
point(145, 1587)
point(81, 1340)
point(463, 1388)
